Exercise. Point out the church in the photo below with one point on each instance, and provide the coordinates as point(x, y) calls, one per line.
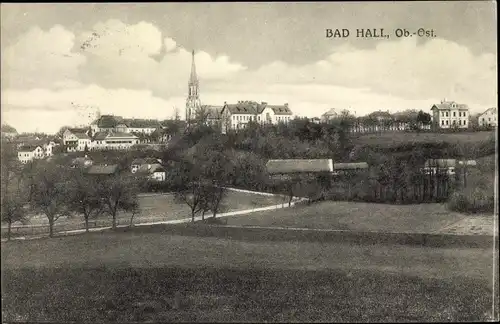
point(231, 116)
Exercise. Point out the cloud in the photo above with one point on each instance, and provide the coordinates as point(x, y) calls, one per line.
point(28, 110)
point(41, 58)
point(404, 68)
point(170, 44)
point(121, 55)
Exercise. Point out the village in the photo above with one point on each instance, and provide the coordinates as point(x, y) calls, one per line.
point(304, 179)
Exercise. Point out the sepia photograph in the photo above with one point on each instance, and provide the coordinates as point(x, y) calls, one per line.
point(249, 162)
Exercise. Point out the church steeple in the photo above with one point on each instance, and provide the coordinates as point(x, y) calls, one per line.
point(193, 100)
point(193, 78)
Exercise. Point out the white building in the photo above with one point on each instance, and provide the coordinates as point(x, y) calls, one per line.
point(106, 123)
point(27, 153)
point(76, 139)
point(333, 113)
point(449, 114)
point(488, 118)
point(237, 116)
point(113, 141)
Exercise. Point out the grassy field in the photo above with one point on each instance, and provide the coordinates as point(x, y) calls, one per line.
point(396, 138)
point(155, 277)
point(154, 208)
point(356, 216)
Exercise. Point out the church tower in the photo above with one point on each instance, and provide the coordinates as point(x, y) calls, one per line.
point(193, 100)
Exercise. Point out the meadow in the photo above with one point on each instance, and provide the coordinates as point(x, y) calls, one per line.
point(399, 138)
point(153, 208)
point(119, 277)
point(355, 216)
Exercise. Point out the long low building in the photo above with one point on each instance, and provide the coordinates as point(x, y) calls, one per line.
point(310, 166)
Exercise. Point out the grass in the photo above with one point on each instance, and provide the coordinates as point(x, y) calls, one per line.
point(154, 207)
point(155, 277)
point(356, 216)
point(397, 138)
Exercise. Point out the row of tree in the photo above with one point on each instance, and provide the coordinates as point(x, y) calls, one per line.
point(197, 177)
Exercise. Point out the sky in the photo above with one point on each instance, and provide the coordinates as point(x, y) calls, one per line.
point(62, 63)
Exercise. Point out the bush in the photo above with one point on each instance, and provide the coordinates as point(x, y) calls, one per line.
point(471, 201)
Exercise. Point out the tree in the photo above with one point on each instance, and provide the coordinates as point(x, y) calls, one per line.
point(85, 197)
point(118, 192)
point(61, 131)
point(133, 207)
point(50, 194)
point(190, 186)
point(423, 119)
point(13, 191)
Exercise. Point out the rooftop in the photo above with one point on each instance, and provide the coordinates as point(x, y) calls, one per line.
point(254, 108)
point(299, 165)
point(450, 104)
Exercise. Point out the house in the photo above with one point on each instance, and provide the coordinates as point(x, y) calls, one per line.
point(450, 114)
point(113, 141)
point(27, 153)
point(433, 166)
point(137, 163)
point(315, 120)
point(81, 162)
point(488, 118)
point(155, 172)
point(22, 140)
point(102, 170)
point(237, 116)
point(329, 115)
point(343, 168)
point(49, 148)
point(76, 139)
point(145, 126)
point(284, 169)
point(107, 123)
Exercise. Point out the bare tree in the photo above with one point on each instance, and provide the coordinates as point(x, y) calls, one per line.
point(118, 193)
point(190, 188)
point(85, 197)
point(13, 201)
point(50, 193)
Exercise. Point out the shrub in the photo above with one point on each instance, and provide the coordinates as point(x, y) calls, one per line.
point(472, 201)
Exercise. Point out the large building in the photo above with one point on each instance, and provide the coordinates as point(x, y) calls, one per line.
point(449, 114)
point(329, 115)
point(106, 123)
point(488, 118)
point(231, 116)
point(238, 115)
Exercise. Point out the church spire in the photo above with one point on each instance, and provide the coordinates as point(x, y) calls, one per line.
point(194, 78)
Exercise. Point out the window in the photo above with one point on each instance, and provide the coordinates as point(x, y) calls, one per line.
point(446, 122)
point(454, 114)
point(489, 119)
point(442, 114)
point(442, 122)
point(447, 115)
point(454, 122)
